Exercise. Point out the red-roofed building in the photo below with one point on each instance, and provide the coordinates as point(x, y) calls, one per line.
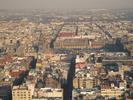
point(15, 73)
point(6, 59)
point(65, 34)
point(81, 65)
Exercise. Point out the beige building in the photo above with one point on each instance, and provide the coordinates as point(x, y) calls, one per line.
point(84, 83)
point(72, 43)
point(21, 93)
point(111, 92)
point(46, 93)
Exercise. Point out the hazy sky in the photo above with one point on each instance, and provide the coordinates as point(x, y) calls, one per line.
point(64, 4)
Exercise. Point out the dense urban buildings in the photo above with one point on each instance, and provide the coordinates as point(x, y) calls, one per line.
point(75, 55)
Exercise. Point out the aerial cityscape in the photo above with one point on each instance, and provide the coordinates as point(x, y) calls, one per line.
point(60, 54)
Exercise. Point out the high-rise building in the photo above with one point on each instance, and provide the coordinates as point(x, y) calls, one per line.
point(21, 93)
point(5, 93)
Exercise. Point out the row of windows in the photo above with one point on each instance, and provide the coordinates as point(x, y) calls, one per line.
point(21, 92)
point(111, 92)
point(21, 95)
